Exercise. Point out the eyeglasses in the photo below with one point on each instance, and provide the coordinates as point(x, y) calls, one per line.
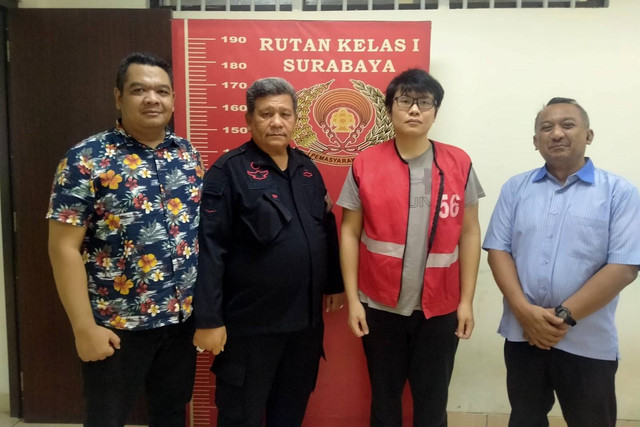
point(406, 102)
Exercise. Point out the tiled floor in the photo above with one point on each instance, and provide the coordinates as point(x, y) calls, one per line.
point(6, 421)
point(460, 419)
point(456, 419)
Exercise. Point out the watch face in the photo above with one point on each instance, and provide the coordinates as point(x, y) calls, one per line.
point(565, 314)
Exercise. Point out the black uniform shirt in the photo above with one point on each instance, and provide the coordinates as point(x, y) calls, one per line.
point(268, 246)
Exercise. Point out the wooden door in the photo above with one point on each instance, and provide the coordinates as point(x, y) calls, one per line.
point(61, 77)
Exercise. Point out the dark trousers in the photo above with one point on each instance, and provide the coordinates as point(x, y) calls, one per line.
point(585, 387)
point(400, 348)
point(163, 360)
point(267, 378)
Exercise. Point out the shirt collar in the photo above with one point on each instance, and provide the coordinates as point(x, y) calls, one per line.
point(169, 137)
point(586, 172)
point(260, 157)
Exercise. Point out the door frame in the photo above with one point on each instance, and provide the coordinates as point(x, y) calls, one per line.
point(6, 224)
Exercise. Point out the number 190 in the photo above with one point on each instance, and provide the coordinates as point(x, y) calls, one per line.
point(234, 39)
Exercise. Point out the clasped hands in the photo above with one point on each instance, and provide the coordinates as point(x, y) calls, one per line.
point(541, 327)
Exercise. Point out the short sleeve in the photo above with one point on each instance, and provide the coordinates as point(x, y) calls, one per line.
point(624, 223)
point(474, 190)
point(73, 194)
point(350, 194)
point(499, 232)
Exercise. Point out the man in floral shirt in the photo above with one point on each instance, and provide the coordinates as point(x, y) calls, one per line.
point(123, 221)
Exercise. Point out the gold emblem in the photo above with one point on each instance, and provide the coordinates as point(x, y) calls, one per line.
point(335, 124)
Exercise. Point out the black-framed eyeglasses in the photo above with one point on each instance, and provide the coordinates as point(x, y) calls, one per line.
point(406, 102)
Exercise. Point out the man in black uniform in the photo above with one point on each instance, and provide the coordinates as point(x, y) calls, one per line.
point(268, 258)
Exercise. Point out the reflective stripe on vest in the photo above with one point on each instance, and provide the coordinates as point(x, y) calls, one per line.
point(396, 250)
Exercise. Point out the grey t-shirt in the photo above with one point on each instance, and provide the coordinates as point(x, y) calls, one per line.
point(415, 255)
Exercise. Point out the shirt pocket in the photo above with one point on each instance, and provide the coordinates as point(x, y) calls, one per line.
point(315, 196)
point(587, 237)
point(265, 218)
point(211, 200)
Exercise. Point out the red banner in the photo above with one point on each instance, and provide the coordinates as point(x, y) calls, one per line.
point(340, 70)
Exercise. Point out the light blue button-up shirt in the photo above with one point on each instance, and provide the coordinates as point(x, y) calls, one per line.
point(559, 236)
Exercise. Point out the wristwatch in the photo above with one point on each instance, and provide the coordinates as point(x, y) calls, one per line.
point(565, 314)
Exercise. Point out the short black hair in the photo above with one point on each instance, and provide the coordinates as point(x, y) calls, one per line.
point(414, 80)
point(560, 100)
point(143, 58)
point(267, 87)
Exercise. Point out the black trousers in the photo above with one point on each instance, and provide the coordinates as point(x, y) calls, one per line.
point(585, 387)
point(163, 360)
point(267, 378)
point(400, 348)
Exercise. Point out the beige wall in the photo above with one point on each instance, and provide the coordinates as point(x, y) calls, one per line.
point(498, 67)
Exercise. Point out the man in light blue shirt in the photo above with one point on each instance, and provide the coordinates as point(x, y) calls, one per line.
point(563, 241)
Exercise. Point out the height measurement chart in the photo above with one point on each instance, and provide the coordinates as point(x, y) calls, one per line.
point(340, 70)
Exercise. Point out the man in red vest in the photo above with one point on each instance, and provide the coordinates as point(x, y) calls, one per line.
point(409, 252)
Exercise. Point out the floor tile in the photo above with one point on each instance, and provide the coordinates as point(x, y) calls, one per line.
point(497, 420)
point(502, 420)
point(557, 422)
point(461, 419)
point(6, 421)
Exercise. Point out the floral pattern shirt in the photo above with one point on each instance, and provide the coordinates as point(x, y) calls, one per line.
point(141, 209)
